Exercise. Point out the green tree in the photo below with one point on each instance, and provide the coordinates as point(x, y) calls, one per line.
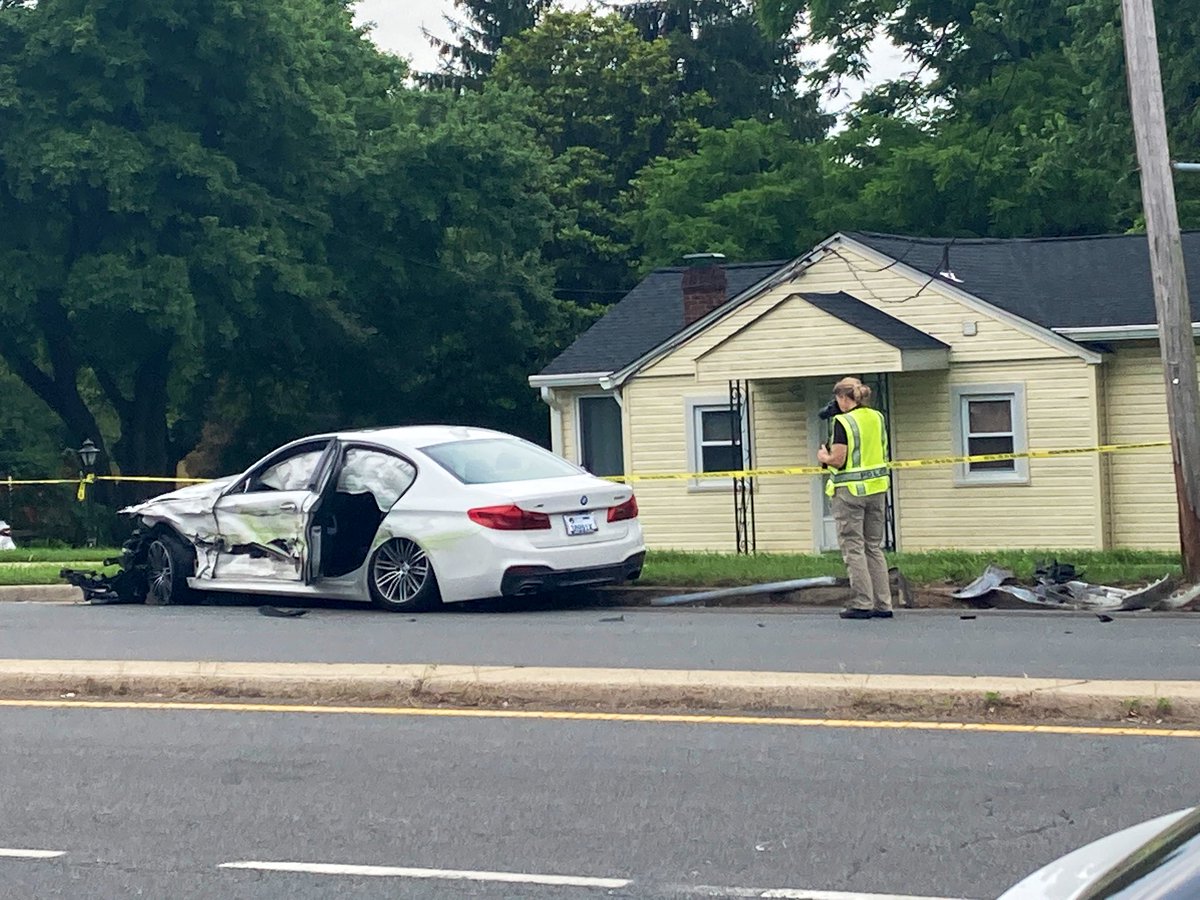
point(751, 191)
point(724, 54)
point(1020, 125)
point(605, 102)
point(165, 168)
point(478, 32)
point(439, 254)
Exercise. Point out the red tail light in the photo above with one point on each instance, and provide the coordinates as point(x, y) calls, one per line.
point(627, 510)
point(509, 518)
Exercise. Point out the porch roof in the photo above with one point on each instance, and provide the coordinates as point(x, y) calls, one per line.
point(810, 334)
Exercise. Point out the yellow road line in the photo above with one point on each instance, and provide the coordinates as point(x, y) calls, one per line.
point(656, 718)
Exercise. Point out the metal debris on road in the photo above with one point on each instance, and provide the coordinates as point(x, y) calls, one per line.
point(278, 613)
point(749, 590)
point(1060, 587)
point(993, 576)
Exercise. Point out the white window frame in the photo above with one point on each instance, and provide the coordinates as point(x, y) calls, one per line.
point(693, 408)
point(577, 423)
point(960, 396)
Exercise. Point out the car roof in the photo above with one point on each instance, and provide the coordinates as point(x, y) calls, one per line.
point(413, 437)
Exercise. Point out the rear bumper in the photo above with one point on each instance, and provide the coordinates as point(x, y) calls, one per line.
point(524, 580)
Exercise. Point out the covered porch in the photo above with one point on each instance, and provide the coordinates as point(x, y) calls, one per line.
point(780, 369)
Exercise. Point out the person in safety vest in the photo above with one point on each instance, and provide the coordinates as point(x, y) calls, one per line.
point(857, 453)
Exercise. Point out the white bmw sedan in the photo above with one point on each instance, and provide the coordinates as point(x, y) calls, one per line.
point(405, 518)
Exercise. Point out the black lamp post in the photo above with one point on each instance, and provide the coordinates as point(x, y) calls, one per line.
point(88, 453)
point(87, 456)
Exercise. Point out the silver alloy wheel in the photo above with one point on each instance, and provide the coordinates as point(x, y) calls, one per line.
point(158, 559)
point(400, 571)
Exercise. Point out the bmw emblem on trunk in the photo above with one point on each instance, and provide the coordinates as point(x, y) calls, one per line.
point(583, 500)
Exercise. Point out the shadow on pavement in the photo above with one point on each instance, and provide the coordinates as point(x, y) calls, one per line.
point(553, 602)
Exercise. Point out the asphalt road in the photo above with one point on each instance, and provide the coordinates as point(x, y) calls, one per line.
point(152, 803)
point(1039, 645)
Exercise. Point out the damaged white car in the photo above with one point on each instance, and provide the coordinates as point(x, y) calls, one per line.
point(405, 518)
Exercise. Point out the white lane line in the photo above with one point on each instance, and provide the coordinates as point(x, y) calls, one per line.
point(712, 890)
point(14, 853)
point(439, 874)
point(678, 890)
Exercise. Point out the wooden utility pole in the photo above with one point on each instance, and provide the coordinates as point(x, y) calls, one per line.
point(1166, 265)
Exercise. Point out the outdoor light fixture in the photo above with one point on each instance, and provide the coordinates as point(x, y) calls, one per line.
point(87, 455)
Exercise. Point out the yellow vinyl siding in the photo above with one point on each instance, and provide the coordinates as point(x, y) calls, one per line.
point(768, 348)
point(675, 515)
point(1144, 512)
point(672, 515)
point(1060, 507)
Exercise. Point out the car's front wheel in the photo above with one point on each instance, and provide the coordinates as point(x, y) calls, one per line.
point(401, 577)
point(169, 563)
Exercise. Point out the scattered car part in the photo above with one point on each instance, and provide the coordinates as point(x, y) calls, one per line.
point(1059, 587)
point(749, 590)
point(993, 576)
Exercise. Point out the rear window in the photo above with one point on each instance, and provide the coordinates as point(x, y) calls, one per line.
point(492, 460)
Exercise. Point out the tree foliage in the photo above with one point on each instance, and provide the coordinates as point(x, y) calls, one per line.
point(724, 55)
point(477, 33)
point(605, 102)
point(198, 198)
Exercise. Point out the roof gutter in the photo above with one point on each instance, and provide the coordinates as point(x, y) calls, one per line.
point(1117, 332)
point(569, 379)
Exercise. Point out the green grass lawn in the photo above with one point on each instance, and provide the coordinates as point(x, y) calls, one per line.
point(41, 565)
point(57, 554)
point(674, 568)
point(42, 573)
point(1118, 567)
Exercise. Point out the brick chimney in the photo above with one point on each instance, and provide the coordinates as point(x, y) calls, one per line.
point(703, 285)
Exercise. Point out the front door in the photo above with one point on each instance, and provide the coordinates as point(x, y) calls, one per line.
point(262, 521)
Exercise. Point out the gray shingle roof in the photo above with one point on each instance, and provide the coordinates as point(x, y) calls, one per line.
point(647, 316)
point(1074, 282)
point(874, 322)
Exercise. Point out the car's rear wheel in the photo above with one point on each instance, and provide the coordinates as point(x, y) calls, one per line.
point(401, 577)
point(169, 563)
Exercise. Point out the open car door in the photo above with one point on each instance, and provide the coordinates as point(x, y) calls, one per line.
point(263, 519)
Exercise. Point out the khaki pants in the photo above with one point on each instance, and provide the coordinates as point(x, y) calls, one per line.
point(860, 531)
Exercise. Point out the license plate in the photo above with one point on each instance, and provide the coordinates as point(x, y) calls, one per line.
point(580, 523)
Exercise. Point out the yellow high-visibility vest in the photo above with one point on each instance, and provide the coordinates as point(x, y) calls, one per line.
point(865, 471)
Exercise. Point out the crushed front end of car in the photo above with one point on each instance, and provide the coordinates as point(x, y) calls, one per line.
point(128, 585)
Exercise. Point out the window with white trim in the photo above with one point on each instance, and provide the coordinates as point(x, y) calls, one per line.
point(712, 427)
point(990, 419)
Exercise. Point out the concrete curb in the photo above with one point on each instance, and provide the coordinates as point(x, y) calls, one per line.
point(604, 688)
point(40, 593)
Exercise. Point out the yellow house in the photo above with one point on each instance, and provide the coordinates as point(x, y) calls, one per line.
point(972, 347)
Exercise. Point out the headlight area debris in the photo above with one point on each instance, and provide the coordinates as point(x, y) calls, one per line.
point(1060, 586)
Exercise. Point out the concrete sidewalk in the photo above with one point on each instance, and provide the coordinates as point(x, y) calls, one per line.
point(605, 688)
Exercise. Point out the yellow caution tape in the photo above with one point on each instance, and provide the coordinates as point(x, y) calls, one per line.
point(780, 471)
point(929, 462)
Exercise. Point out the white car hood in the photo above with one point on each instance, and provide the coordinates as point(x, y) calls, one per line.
point(193, 498)
point(1068, 876)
